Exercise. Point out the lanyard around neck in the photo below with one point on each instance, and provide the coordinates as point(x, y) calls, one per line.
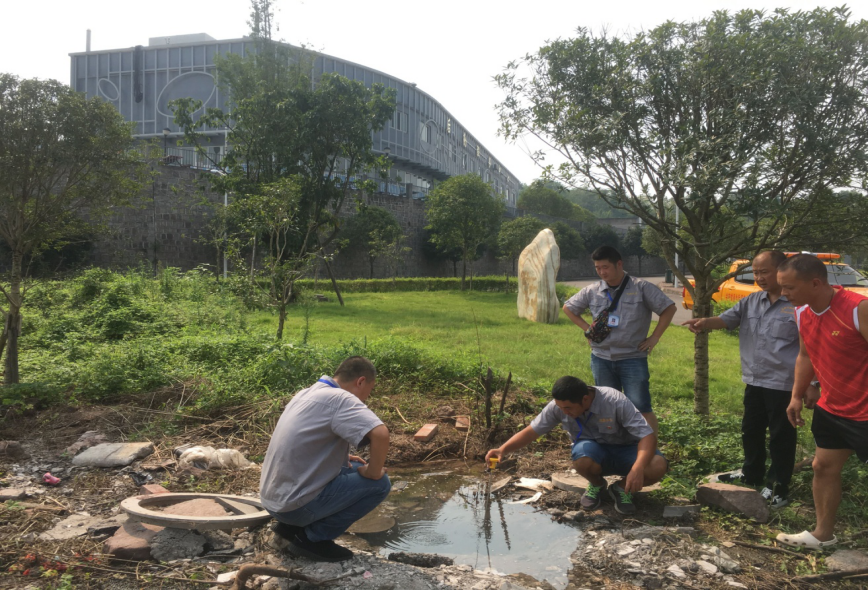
point(581, 426)
point(327, 381)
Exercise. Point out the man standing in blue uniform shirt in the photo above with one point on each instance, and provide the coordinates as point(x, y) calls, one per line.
point(610, 437)
point(768, 340)
point(620, 361)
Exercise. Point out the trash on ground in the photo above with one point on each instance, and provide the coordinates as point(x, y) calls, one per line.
point(211, 458)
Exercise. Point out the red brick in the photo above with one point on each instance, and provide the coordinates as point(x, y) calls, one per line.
point(151, 489)
point(132, 541)
point(426, 433)
point(462, 423)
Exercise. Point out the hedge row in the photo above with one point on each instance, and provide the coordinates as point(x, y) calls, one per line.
point(495, 283)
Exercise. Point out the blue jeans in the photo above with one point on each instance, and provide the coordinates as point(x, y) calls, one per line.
point(628, 375)
point(614, 459)
point(345, 499)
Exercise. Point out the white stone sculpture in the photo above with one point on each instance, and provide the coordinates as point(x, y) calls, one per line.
point(538, 268)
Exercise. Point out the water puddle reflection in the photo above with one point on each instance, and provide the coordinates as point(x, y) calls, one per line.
point(450, 513)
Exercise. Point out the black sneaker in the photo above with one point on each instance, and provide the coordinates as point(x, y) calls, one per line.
point(591, 498)
point(776, 501)
point(285, 531)
point(734, 477)
point(623, 499)
point(318, 550)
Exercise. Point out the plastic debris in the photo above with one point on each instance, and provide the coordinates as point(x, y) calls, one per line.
point(533, 498)
point(534, 484)
point(50, 479)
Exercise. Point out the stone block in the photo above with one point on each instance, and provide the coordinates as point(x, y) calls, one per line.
point(847, 560)
point(538, 268)
point(132, 541)
point(113, 454)
point(735, 499)
point(569, 482)
point(462, 423)
point(69, 528)
point(12, 494)
point(426, 433)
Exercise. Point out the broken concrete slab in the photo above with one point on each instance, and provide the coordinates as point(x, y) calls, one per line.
point(12, 494)
point(462, 423)
point(426, 433)
point(12, 449)
point(113, 454)
point(152, 488)
point(569, 482)
point(169, 544)
point(69, 528)
point(373, 523)
point(132, 541)
point(107, 526)
point(735, 499)
point(91, 438)
point(680, 511)
point(236, 507)
point(846, 560)
point(218, 541)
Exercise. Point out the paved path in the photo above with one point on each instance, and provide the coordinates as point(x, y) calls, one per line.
point(681, 314)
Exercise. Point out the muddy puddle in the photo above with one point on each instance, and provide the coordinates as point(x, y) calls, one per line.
point(450, 513)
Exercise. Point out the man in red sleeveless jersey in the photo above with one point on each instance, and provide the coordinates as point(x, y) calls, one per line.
point(833, 339)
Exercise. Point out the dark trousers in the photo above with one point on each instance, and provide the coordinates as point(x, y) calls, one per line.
point(767, 409)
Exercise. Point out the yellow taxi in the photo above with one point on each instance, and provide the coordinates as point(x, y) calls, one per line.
point(742, 284)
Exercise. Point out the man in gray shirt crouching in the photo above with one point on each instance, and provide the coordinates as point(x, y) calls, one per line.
point(609, 435)
point(310, 483)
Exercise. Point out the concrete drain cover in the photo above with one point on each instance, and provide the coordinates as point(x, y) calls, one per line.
point(241, 511)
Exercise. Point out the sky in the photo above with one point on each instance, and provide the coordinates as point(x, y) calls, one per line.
point(451, 49)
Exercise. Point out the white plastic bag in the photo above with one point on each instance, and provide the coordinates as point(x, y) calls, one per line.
point(211, 458)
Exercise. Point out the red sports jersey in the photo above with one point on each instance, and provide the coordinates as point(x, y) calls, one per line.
point(839, 354)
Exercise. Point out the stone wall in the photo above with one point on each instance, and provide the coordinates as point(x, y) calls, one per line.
point(167, 227)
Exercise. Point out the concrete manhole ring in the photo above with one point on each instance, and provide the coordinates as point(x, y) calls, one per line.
point(246, 511)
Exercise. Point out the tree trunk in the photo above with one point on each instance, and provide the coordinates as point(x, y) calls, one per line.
point(3, 338)
point(281, 320)
point(701, 309)
point(463, 272)
point(253, 260)
point(334, 282)
point(13, 322)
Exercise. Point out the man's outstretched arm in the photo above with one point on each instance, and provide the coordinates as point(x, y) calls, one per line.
point(518, 441)
point(376, 467)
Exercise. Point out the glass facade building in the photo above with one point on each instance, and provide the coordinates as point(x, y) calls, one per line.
point(424, 141)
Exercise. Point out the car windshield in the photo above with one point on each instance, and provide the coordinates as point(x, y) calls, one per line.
point(841, 274)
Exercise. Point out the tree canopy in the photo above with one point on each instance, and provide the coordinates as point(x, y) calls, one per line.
point(543, 199)
point(64, 162)
point(744, 122)
point(374, 231)
point(284, 124)
point(463, 213)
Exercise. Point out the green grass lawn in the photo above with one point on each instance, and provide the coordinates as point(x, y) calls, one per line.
point(454, 323)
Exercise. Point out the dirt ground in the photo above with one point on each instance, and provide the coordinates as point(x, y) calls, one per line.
point(27, 561)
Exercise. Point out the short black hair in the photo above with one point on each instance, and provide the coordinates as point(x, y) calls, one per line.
point(776, 257)
point(606, 253)
point(570, 389)
point(355, 367)
point(806, 266)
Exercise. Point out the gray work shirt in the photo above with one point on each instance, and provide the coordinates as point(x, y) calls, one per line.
point(611, 419)
point(768, 340)
point(311, 444)
point(639, 299)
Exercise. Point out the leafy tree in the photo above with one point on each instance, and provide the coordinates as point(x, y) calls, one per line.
point(463, 213)
point(61, 157)
point(569, 240)
point(591, 201)
point(374, 231)
point(600, 234)
point(540, 198)
point(633, 245)
point(284, 124)
point(514, 236)
point(742, 121)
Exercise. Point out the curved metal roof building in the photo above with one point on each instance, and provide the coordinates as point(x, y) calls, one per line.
point(425, 142)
